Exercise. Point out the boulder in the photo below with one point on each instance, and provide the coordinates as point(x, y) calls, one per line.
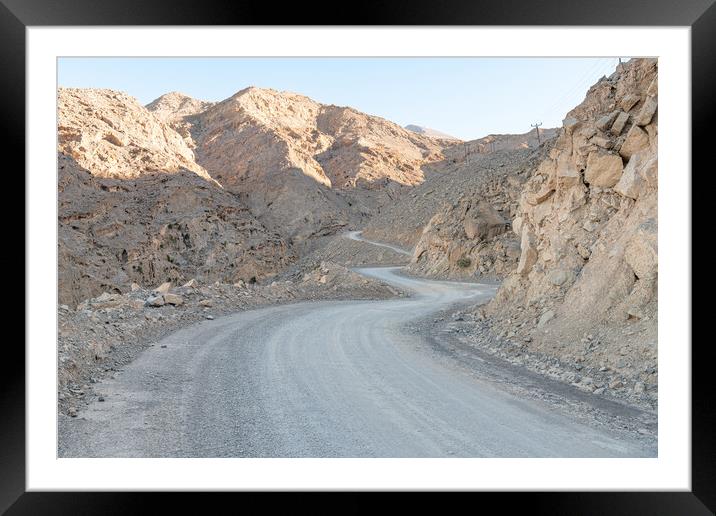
point(206, 302)
point(570, 124)
point(649, 171)
point(191, 283)
point(583, 251)
point(628, 101)
point(155, 301)
point(606, 121)
point(163, 288)
point(567, 173)
point(483, 222)
point(601, 141)
point(517, 226)
point(539, 197)
point(619, 123)
point(558, 277)
point(631, 183)
point(576, 198)
point(528, 246)
point(603, 169)
point(173, 299)
point(647, 112)
point(636, 140)
point(135, 287)
point(107, 300)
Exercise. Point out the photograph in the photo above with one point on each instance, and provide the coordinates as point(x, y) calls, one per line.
point(357, 257)
point(428, 251)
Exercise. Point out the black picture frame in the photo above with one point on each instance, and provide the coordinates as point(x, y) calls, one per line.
point(700, 15)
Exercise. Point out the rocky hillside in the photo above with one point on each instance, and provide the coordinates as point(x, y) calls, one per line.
point(135, 207)
point(496, 177)
point(174, 106)
point(585, 288)
point(304, 168)
point(587, 218)
point(112, 135)
point(501, 142)
point(225, 191)
point(470, 235)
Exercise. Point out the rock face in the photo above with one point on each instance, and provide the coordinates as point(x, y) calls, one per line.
point(305, 169)
point(112, 135)
point(155, 228)
point(497, 175)
point(603, 169)
point(174, 106)
point(589, 250)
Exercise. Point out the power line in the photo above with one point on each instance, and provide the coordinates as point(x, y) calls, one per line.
point(576, 86)
point(536, 126)
point(579, 86)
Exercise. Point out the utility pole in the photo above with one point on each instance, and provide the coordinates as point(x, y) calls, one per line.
point(536, 126)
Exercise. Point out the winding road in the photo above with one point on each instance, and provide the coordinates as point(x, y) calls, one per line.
point(356, 235)
point(323, 379)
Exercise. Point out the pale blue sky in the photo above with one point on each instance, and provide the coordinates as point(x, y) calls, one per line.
point(465, 97)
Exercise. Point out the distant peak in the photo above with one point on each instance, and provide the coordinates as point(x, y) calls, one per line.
point(426, 131)
point(173, 97)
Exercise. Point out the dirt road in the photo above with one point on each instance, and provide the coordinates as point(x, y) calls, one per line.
point(326, 379)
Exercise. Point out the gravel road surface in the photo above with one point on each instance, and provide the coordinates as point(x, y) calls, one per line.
point(323, 379)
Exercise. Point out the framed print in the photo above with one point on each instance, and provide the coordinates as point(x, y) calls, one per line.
point(417, 252)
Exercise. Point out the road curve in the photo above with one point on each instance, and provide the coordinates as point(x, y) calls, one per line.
point(325, 379)
point(356, 235)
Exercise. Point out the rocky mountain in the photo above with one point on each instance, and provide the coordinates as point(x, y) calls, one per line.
point(305, 169)
point(494, 176)
point(109, 133)
point(172, 107)
point(587, 218)
point(429, 132)
point(225, 191)
point(135, 207)
point(584, 288)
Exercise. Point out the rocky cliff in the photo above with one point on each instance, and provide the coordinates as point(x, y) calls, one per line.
point(585, 288)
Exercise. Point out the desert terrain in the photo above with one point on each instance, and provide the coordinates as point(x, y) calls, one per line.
point(269, 276)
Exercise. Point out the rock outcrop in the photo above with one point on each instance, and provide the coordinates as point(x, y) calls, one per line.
point(110, 134)
point(588, 225)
